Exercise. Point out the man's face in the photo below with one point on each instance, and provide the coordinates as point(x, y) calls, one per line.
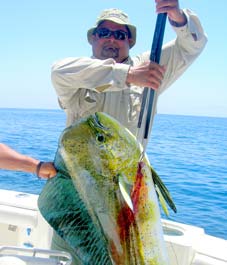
point(110, 47)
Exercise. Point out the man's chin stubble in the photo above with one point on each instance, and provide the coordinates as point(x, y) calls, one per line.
point(110, 53)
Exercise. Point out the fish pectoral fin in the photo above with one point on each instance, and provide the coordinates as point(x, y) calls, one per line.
point(162, 191)
point(125, 190)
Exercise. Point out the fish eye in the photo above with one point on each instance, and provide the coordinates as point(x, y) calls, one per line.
point(100, 138)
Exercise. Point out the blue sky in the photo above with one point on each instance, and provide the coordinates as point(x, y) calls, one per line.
point(34, 34)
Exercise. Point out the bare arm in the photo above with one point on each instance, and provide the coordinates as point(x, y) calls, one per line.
point(12, 160)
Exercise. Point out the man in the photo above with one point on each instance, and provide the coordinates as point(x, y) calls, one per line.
point(12, 160)
point(111, 81)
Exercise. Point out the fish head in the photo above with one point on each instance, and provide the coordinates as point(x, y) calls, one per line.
point(101, 144)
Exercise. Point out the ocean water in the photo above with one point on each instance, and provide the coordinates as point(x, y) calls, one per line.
point(188, 152)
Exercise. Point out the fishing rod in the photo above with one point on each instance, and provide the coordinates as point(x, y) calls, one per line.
point(148, 93)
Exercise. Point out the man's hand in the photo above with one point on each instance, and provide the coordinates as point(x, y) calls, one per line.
point(148, 74)
point(174, 13)
point(47, 170)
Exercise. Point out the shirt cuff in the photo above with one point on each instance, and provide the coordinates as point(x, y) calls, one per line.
point(192, 28)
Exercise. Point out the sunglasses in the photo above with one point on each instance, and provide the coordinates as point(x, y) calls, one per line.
point(104, 33)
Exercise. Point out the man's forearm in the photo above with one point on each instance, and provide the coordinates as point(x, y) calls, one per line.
point(12, 160)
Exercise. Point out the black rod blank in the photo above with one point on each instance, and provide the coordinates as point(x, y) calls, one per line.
point(154, 57)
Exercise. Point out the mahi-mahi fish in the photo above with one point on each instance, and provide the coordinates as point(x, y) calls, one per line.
point(104, 200)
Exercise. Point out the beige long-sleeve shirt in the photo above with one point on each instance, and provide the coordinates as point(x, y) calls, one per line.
point(87, 85)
